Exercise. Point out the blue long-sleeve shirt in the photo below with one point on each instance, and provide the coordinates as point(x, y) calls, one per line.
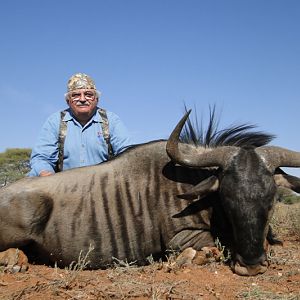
point(84, 145)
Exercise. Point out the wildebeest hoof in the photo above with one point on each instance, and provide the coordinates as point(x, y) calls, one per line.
point(202, 257)
point(14, 260)
point(186, 257)
point(206, 255)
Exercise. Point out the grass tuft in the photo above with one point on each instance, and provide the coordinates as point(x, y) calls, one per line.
point(286, 220)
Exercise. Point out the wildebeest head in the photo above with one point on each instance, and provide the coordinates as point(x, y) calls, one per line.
point(247, 191)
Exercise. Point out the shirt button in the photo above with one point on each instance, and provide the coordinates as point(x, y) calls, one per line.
point(82, 146)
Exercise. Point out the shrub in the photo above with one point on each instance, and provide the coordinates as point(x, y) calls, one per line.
point(14, 164)
point(287, 196)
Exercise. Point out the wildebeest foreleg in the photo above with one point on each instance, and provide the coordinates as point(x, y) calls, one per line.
point(195, 238)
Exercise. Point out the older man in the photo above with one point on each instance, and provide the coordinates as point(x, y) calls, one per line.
point(81, 135)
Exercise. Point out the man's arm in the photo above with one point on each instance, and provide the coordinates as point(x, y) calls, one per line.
point(45, 152)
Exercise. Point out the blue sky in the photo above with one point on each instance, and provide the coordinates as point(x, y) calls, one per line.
point(149, 58)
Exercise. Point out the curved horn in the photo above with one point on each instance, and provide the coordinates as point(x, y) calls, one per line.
point(279, 157)
point(205, 157)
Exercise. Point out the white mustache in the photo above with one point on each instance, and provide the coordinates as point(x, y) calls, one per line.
point(82, 103)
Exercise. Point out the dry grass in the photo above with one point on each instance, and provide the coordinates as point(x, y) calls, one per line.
point(255, 292)
point(286, 219)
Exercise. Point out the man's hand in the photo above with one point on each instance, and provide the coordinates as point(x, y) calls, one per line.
point(45, 173)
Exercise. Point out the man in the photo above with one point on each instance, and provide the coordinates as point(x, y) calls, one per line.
point(82, 135)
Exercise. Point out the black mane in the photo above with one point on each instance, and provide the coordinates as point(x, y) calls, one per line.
point(235, 135)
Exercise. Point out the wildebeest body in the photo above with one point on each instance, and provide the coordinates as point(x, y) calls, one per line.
point(130, 207)
point(124, 208)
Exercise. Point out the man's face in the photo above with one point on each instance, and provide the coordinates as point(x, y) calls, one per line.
point(83, 103)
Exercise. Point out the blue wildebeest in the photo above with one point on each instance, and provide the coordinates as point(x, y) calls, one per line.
point(128, 207)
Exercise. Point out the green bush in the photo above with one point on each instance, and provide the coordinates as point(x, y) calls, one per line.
point(287, 196)
point(14, 165)
point(291, 199)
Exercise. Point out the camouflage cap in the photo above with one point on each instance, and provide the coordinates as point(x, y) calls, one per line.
point(80, 81)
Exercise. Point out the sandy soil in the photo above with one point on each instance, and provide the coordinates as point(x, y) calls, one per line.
point(161, 280)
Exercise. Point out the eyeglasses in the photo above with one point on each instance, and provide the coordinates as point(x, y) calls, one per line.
point(88, 95)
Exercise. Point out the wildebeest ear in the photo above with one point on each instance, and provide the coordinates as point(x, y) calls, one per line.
point(288, 181)
point(209, 185)
point(201, 206)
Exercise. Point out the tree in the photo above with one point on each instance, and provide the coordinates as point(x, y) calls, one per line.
point(14, 164)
